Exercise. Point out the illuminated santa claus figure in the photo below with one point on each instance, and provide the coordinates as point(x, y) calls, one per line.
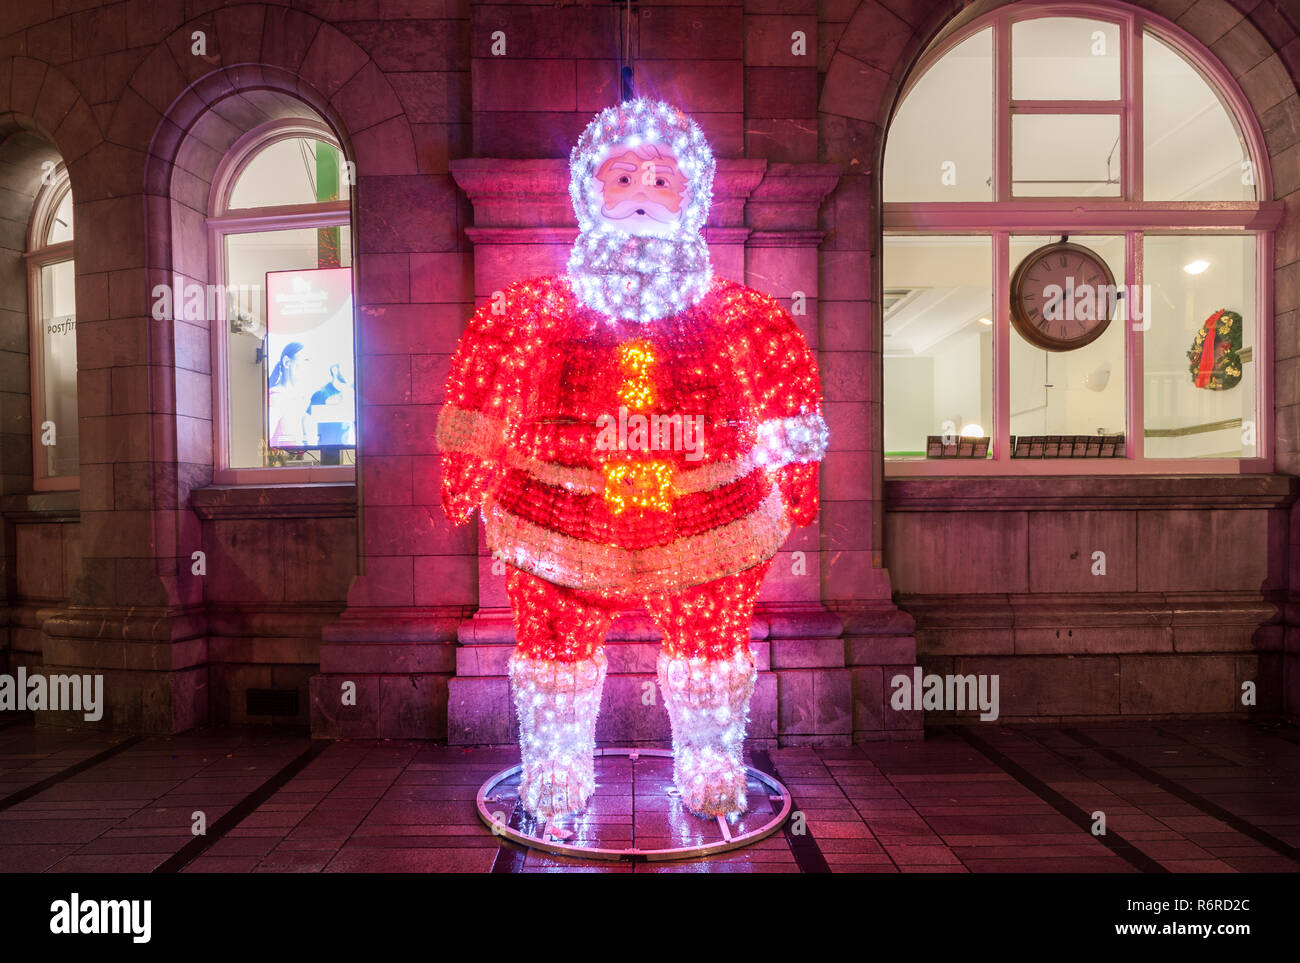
point(637, 434)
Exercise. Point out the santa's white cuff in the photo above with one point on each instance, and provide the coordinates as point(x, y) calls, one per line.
point(784, 441)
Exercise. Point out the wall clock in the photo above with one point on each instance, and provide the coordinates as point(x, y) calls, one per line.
point(1063, 296)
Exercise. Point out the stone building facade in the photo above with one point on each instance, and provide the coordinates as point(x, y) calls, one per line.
point(460, 187)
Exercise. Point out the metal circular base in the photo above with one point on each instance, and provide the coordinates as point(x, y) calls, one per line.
point(635, 814)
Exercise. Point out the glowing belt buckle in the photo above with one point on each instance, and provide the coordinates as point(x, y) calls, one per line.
point(639, 484)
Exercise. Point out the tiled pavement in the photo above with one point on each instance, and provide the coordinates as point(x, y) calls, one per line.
point(1177, 796)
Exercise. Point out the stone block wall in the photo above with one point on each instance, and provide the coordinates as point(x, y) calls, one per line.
point(44, 560)
point(1181, 608)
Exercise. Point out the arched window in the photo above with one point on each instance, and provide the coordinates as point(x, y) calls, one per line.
point(51, 283)
point(280, 242)
point(1070, 201)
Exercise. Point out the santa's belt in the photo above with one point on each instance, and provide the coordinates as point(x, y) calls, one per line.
point(641, 484)
point(797, 438)
point(801, 438)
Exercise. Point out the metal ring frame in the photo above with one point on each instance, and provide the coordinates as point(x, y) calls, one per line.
point(778, 797)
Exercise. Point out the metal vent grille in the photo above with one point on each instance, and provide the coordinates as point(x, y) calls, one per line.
point(271, 702)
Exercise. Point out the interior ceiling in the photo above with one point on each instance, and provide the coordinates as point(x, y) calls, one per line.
point(920, 318)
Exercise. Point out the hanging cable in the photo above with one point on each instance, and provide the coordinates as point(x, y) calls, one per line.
point(627, 79)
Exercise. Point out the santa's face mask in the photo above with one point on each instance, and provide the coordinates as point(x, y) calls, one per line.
point(641, 190)
point(641, 179)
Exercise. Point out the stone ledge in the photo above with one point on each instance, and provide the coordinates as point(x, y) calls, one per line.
point(1094, 609)
point(134, 624)
point(62, 506)
point(565, 236)
point(786, 239)
point(520, 192)
point(1089, 492)
point(321, 500)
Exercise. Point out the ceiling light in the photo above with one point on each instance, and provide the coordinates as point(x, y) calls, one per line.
point(986, 321)
point(1196, 267)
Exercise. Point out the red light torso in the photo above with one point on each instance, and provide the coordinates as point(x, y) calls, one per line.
point(629, 452)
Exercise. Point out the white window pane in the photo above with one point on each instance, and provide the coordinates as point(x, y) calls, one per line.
point(938, 341)
point(1065, 155)
point(940, 145)
point(1079, 392)
point(1191, 279)
point(1193, 150)
point(1065, 58)
point(60, 228)
point(293, 171)
point(248, 258)
point(58, 373)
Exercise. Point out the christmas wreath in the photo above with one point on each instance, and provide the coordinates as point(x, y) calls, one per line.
point(1214, 361)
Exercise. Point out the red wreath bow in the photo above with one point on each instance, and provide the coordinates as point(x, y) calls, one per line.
point(1206, 369)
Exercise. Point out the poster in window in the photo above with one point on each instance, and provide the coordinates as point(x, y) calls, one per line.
point(310, 401)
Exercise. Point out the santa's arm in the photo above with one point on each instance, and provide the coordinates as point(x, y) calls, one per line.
point(481, 388)
point(792, 434)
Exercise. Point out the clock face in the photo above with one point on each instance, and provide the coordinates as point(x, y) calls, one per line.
point(1063, 296)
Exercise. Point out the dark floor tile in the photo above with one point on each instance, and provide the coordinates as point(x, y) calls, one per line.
point(353, 859)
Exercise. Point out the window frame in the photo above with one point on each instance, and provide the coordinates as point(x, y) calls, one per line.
point(1078, 216)
point(224, 220)
point(40, 255)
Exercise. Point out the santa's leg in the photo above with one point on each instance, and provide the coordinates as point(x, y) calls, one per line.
point(557, 672)
point(707, 675)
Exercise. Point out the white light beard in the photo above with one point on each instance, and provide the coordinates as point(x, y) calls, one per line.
point(639, 277)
